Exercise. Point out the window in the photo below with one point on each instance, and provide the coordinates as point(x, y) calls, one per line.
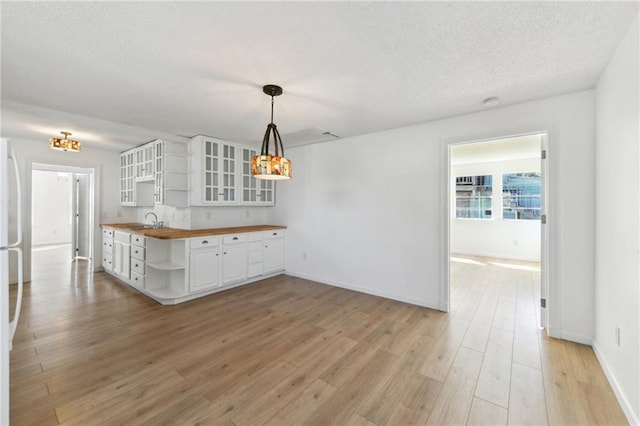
point(521, 195)
point(473, 197)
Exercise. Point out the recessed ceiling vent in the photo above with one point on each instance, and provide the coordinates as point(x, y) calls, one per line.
point(308, 136)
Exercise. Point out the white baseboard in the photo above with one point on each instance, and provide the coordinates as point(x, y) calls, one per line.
point(426, 303)
point(572, 337)
point(632, 417)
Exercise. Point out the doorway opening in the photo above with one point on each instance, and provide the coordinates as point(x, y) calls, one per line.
point(497, 237)
point(62, 216)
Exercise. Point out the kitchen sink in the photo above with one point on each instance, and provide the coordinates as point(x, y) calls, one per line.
point(139, 227)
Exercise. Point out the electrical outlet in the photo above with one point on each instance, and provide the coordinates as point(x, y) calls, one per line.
point(208, 215)
point(119, 214)
point(186, 216)
point(247, 213)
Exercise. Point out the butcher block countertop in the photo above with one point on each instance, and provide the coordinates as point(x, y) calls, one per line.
point(176, 233)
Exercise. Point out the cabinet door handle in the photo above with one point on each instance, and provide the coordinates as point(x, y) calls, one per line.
point(275, 234)
point(217, 254)
point(205, 242)
point(235, 238)
point(136, 265)
point(225, 252)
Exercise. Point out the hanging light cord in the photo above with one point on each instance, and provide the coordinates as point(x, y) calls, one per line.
point(271, 109)
point(277, 140)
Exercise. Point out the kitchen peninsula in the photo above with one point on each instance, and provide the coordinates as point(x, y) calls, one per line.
point(173, 265)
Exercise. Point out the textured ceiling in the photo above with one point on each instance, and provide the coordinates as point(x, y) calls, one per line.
point(121, 73)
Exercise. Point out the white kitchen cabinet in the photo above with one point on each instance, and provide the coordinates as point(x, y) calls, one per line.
point(145, 156)
point(234, 258)
point(107, 249)
point(176, 270)
point(273, 251)
point(256, 255)
point(137, 260)
point(171, 184)
point(204, 264)
point(127, 178)
point(254, 191)
point(133, 190)
point(122, 255)
point(213, 171)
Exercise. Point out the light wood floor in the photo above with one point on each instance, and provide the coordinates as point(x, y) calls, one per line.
point(288, 351)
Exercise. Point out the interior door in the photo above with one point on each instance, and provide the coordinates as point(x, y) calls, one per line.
point(81, 216)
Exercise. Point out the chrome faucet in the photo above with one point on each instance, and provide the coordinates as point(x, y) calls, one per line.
point(156, 224)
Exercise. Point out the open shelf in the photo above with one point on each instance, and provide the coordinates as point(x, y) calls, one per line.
point(165, 265)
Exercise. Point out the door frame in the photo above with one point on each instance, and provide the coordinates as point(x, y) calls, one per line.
point(545, 237)
point(92, 204)
point(75, 188)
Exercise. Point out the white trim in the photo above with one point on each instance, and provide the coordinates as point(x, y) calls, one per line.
point(93, 219)
point(547, 272)
point(40, 163)
point(349, 286)
point(558, 333)
point(627, 408)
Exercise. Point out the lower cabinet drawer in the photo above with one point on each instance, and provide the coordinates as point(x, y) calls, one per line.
point(137, 280)
point(276, 233)
point(137, 266)
point(138, 240)
point(205, 242)
point(233, 239)
point(107, 261)
point(137, 252)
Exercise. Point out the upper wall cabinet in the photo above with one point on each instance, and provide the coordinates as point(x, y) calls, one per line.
point(155, 173)
point(128, 178)
point(205, 172)
point(213, 171)
point(145, 155)
point(221, 175)
point(253, 191)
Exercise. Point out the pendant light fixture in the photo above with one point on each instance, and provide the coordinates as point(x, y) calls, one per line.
point(64, 144)
point(268, 166)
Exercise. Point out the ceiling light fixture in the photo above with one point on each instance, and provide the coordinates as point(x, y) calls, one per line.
point(265, 165)
point(64, 144)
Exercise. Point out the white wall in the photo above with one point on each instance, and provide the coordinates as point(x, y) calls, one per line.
point(106, 165)
point(370, 212)
point(205, 217)
point(51, 212)
point(495, 237)
point(617, 278)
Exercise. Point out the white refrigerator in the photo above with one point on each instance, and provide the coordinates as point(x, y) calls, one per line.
point(9, 178)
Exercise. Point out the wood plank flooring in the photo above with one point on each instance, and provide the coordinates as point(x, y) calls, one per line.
point(287, 351)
